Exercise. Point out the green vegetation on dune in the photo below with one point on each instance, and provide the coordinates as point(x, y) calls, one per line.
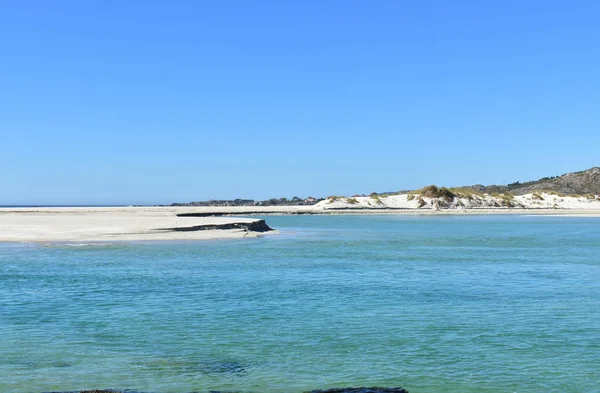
point(333, 198)
point(434, 191)
point(466, 192)
point(584, 184)
point(554, 192)
point(376, 198)
point(535, 195)
point(576, 184)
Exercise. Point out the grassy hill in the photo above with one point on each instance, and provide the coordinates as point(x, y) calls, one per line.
point(575, 183)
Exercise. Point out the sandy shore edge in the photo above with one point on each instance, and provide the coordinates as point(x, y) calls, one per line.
point(81, 225)
point(105, 224)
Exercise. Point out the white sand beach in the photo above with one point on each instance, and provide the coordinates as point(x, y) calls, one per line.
point(98, 224)
point(111, 224)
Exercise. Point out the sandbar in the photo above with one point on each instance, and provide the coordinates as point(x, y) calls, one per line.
point(91, 224)
point(105, 224)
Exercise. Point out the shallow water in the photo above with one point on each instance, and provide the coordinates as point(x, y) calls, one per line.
point(432, 304)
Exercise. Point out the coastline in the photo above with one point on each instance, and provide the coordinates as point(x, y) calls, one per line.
point(304, 210)
point(106, 224)
point(93, 224)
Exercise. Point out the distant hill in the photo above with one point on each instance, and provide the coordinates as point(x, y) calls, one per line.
point(577, 190)
point(583, 182)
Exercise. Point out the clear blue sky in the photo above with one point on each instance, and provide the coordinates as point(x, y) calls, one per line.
point(145, 102)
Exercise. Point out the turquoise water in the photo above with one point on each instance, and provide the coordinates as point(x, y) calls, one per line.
point(432, 304)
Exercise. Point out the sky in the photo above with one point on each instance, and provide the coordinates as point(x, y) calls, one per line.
point(154, 102)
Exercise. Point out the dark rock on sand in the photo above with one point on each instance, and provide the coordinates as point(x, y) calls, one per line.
point(254, 226)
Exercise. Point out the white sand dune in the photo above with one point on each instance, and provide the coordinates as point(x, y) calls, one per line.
point(534, 202)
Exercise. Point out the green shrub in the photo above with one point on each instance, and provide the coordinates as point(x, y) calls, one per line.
point(410, 197)
point(466, 192)
point(351, 201)
point(376, 198)
point(506, 199)
point(535, 195)
point(421, 202)
point(446, 194)
point(433, 191)
point(333, 198)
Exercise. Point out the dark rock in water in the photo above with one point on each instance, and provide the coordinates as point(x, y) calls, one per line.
point(187, 366)
point(100, 391)
point(221, 391)
point(61, 364)
point(336, 390)
point(218, 367)
point(362, 390)
point(97, 391)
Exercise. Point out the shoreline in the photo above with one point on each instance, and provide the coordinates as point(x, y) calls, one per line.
point(230, 211)
point(284, 211)
point(87, 225)
point(107, 224)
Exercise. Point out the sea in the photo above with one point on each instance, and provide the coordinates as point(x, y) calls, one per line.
point(453, 304)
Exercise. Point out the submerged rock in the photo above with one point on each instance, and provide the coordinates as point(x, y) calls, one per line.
point(335, 390)
point(218, 367)
point(362, 390)
point(97, 391)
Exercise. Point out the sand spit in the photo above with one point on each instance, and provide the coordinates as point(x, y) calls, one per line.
point(94, 224)
point(119, 224)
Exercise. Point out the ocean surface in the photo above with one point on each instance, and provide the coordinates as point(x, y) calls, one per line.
point(431, 304)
